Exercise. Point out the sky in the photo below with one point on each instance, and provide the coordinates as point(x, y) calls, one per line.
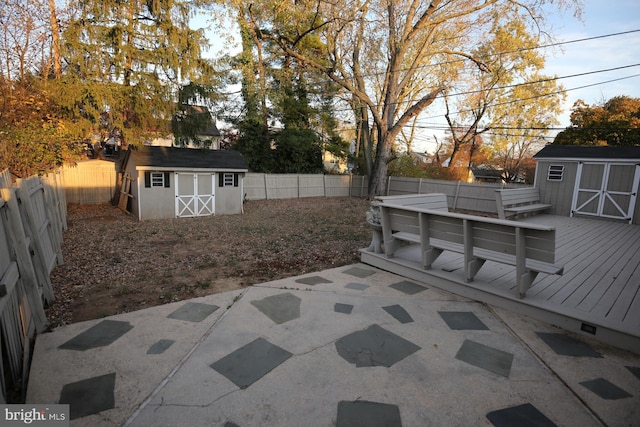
point(581, 63)
point(585, 60)
point(600, 18)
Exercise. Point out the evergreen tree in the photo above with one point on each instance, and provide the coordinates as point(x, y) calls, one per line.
point(284, 124)
point(129, 59)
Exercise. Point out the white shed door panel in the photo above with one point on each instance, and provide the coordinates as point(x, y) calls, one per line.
point(195, 193)
point(606, 190)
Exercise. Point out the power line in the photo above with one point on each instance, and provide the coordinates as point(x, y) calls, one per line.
point(506, 52)
point(546, 94)
point(532, 48)
point(531, 82)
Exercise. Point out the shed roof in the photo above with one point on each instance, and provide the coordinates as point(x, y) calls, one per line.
point(588, 152)
point(185, 158)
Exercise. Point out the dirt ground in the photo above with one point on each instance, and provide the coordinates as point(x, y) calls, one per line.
point(114, 263)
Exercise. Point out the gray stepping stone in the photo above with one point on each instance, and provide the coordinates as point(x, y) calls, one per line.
point(193, 312)
point(99, 335)
point(280, 308)
point(564, 345)
point(462, 320)
point(635, 370)
point(375, 346)
point(359, 272)
point(399, 313)
point(407, 287)
point(343, 308)
point(605, 389)
point(485, 357)
point(525, 415)
point(89, 396)
point(313, 280)
point(251, 362)
point(357, 286)
point(160, 346)
point(367, 414)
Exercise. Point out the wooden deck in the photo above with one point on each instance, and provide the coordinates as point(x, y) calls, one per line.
point(598, 295)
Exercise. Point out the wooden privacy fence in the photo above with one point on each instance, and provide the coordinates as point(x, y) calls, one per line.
point(32, 221)
point(94, 181)
point(260, 186)
point(89, 182)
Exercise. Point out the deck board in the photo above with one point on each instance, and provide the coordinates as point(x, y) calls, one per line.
point(593, 266)
point(575, 244)
point(620, 308)
point(600, 285)
point(619, 273)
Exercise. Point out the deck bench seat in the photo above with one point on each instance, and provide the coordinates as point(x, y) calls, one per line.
point(529, 247)
point(516, 201)
point(531, 264)
point(435, 201)
point(489, 255)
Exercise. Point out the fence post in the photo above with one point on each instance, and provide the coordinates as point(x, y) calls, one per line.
point(455, 199)
point(266, 187)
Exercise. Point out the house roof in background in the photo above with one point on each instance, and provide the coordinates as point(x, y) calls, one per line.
point(487, 173)
point(185, 158)
point(211, 130)
point(587, 152)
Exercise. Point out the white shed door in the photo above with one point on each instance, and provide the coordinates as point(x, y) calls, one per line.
point(606, 190)
point(195, 194)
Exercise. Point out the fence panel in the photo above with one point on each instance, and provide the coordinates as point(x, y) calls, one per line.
point(282, 186)
point(359, 186)
point(401, 185)
point(20, 244)
point(89, 182)
point(38, 228)
point(337, 185)
point(311, 185)
point(32, 216)
point(259, 186)
point(255, 187)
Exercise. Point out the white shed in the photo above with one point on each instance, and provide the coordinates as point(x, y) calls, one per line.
point(166, 182)
point(596, 181)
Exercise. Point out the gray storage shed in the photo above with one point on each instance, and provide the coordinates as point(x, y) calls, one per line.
point(165, 182)
point(595, 181)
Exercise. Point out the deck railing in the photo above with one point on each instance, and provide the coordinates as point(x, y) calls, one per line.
point(425, 221)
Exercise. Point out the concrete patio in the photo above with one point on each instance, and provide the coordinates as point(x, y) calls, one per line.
point(353, 345)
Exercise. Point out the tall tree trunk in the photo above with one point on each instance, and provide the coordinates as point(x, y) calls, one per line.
point(55, 34)
point(364, 143)
point(249, 91)
point(378, 179)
